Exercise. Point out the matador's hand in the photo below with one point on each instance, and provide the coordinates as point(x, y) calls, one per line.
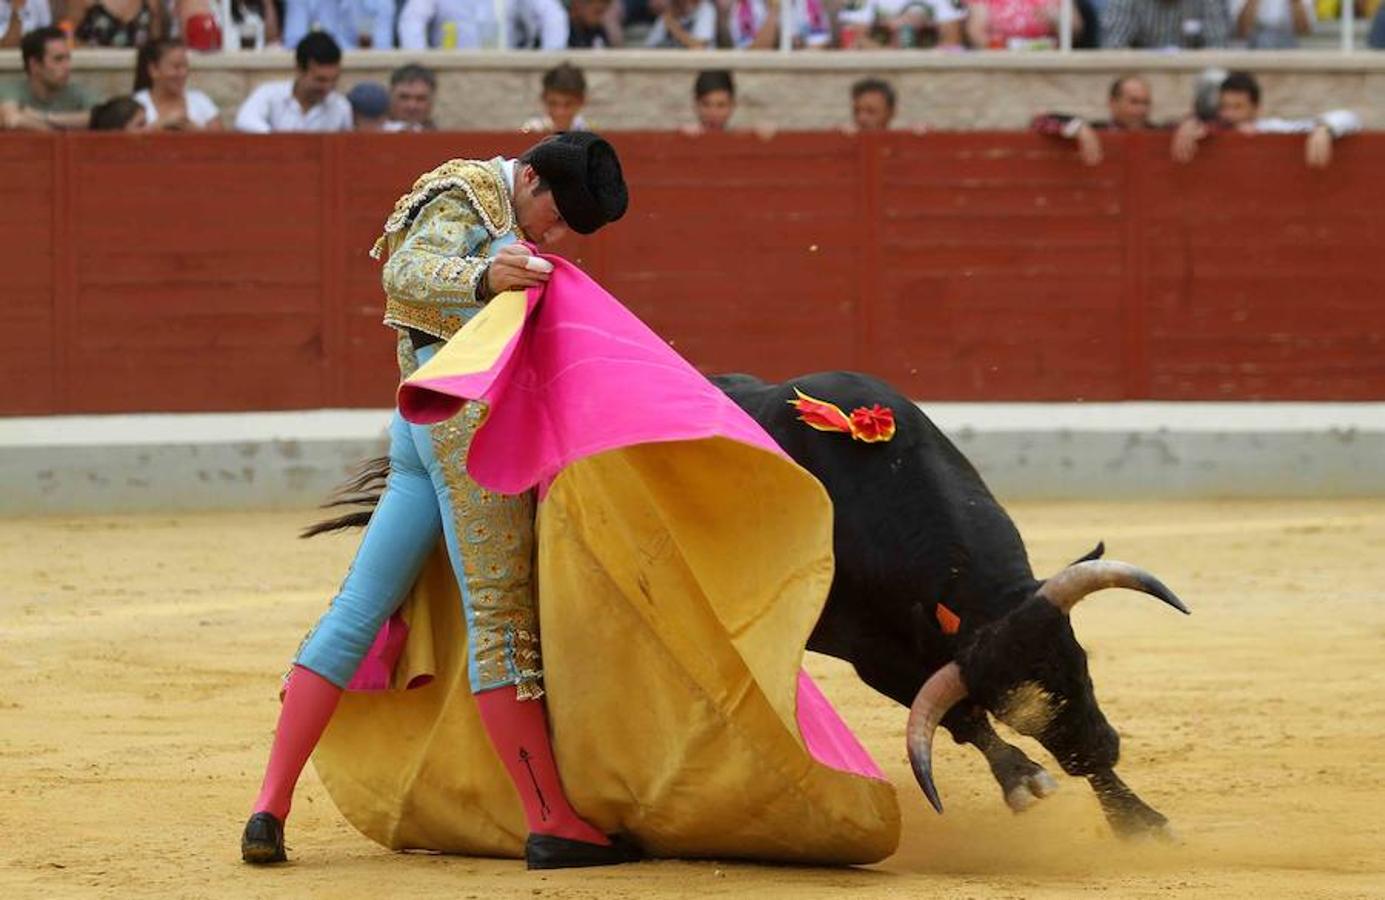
point(512, 270)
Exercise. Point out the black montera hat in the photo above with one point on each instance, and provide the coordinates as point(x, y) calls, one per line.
point(584, 173)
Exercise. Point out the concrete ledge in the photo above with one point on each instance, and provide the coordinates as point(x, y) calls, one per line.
point(651, 90)
point(107, 464)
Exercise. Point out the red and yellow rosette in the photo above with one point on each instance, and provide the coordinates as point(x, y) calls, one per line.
point(871, 424)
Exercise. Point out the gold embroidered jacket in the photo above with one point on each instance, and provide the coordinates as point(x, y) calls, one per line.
point(439, 238)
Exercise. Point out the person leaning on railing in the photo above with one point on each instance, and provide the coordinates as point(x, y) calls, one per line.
point(1238, 110)
point(1128, 105)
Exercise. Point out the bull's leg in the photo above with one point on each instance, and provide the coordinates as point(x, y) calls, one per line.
point(1128, 814)
point(1022, 781)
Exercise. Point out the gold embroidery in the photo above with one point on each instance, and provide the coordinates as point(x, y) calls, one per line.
point(428, 319)
point(482, 182)
point(495, 533)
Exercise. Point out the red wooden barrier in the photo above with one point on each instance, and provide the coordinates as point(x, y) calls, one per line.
point(192, 272)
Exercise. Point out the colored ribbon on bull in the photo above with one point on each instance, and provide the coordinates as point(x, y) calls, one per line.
point(873, 424)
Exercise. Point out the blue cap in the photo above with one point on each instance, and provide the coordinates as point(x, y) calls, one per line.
point(369, 99)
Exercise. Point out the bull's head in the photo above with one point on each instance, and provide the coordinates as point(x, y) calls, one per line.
point(1028, 670)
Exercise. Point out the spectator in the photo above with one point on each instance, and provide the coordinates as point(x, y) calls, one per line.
point(116, 23)
point(46, 98)
point(685, 25)
point(872, 105)
point(589, 25)
point(1159, 24)
point(412, 89)
point(370, 107)
point(469, 24)
point(754, 24)
point(1016, 24)
point(714, 101)
point(563, 96)
point(1128, 102)
point(309, 102)
point(1376, 38)
point(899, 23)
point(161, 88)
point(118, 114)
point(1273, 24)
point(1239, 110)
point(19, 17)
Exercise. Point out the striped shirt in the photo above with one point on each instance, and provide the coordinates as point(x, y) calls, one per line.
point(1156, 24)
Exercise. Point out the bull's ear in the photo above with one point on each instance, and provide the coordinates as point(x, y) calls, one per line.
point(1096, 553)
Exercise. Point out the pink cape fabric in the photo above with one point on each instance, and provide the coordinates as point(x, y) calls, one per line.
point(583, 376)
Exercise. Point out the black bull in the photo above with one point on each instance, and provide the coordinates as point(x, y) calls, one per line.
point(915, 529)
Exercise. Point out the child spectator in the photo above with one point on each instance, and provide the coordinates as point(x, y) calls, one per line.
point(1239, 110)
point(118, 114)
point(19, 17)
point(685, 25)
point(590, 25)
point(161, 88)
point(563, 96)
point(370, 107)
point(714, 101)
point(872, 105)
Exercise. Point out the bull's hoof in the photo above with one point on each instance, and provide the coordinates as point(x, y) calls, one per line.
point(1139, 821)
point(1031, 789)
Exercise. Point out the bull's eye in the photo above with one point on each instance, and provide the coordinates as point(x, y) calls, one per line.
point(1029, 709)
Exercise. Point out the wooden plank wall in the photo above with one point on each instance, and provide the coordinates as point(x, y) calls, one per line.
point(193, 272)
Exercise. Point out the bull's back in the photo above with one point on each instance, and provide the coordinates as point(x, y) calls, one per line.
point(904, 508)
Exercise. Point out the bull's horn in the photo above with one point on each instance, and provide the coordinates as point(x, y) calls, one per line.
point(942, 691)
point(1080, 579)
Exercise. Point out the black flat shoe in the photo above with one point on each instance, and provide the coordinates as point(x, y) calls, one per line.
point(545, 851)
point(263, 840)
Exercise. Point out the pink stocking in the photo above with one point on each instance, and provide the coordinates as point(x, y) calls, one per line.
point(309, 700)
point(518, 730)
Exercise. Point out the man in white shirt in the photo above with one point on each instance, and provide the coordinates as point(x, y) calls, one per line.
point(307, 103)
point(469, 24)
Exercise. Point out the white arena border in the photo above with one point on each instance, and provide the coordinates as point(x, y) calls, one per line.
point(1080, 451)
point(142, 429)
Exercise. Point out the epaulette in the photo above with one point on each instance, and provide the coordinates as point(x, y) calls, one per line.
point(481, 182)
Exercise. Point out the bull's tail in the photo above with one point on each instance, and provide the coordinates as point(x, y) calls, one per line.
point(363, 491)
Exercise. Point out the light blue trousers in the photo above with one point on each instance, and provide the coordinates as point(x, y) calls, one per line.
point(425, 497)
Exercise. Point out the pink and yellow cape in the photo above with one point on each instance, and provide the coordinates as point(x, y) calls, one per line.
point(683, 560)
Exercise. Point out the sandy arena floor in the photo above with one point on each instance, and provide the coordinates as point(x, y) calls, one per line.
point(139, 660)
